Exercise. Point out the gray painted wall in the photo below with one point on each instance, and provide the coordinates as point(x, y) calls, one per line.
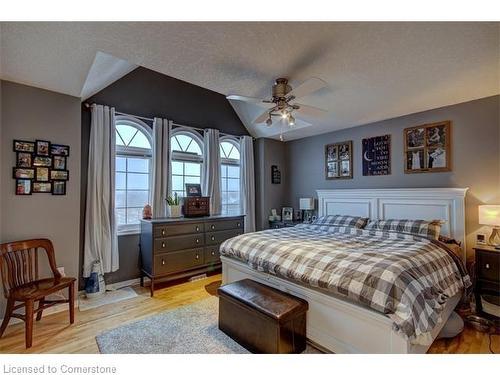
point(147, 93)
point(269, 152)
point(30, 113)
point(475, 157)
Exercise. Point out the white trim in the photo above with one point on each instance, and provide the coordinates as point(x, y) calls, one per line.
point(123, 284)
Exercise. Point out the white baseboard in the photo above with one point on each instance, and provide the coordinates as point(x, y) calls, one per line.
point(123, 284)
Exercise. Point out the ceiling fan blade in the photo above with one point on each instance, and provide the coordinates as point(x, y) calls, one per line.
point(262, 118)
point(245, 99)
point(307, 87)
point(311, 111)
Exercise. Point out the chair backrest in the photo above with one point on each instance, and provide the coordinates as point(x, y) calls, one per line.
point(19, 262)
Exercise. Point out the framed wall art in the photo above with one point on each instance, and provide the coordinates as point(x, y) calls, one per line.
point(338, 160)
point(428, 148)
point(41, 167)
point(377, 155)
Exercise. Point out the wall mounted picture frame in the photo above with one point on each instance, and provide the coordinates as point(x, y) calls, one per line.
point(42, 161)
point(42, 148)
point(59, 175)
point(61, 150)
point(24, 160)
point(23, 173)
point(23, 187)
point(377, 155)
point(59, 162)
point(42, 187)
point(338, 160)
point(41, 174)
point(275, 175)
point(58, 187)
point(428, 148)
point(23, 146)
point(287, 214)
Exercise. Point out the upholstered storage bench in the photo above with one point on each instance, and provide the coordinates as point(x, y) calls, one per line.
point(262, 319)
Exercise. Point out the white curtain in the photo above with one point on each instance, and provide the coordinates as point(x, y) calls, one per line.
point(247, 182)
point(210, 183)
point(161, 167)
point(101, 241)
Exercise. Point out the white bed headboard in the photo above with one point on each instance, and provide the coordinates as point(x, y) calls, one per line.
point(447, 204)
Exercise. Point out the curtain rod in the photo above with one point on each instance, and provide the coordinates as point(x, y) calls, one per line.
point(87, 105)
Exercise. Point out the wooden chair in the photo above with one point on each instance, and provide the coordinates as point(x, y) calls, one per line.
point(21, 283)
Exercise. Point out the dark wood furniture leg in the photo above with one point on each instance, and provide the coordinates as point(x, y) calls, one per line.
point(152, 288)
point(142, 280)
point(28, 321)
point(8, 313)
point(71, 290)
point(40, 309)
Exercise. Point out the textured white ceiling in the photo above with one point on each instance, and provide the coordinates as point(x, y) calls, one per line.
point(374, 71)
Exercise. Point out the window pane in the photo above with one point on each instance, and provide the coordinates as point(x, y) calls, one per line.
point(121, 164)
point(184, 141)
point(225, 149)
point(177, 183)
point(180, 193)
point(119, 198)
point(120, 214)
point(137, 181)
point(192, 169)
point(233, 198)
point(134, 215)
point(224, 170)
point(233, 184)
point(140, 140)
point(137, 198)
point(138, 165)
point(177, 167)
point(191, 180)
point(235, 154)
point(120, 180)
point(194, 147)
point(233, 171)
point(233, 210)
point(125, 132)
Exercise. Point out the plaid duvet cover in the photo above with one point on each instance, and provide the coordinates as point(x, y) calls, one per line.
point(406, 277)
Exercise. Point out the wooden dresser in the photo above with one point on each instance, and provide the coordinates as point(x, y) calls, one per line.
point(183, 247)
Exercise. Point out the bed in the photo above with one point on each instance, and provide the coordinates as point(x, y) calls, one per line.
point(336, 322)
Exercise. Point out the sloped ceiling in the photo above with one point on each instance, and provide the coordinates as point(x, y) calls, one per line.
point(374, 71)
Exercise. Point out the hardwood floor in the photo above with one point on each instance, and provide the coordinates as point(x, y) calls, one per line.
point(53, 334)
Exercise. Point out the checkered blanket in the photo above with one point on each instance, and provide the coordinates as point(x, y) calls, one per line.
point(406, 277)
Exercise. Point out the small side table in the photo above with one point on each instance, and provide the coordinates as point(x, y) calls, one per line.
point(283, 224)
point(487, 269)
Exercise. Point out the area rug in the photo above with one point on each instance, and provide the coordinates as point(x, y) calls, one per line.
point(191, 329)
point(107, 298)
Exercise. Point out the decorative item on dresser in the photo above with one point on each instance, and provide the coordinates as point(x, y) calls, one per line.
point(307, 206)
point(487, 290)
point(490, 215)
point(175, 248)
point(196, 206)
point(283, 224)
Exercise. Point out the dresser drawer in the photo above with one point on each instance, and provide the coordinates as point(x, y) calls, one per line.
point(213, 226)
point(488, 265)
point(179, 242)
point(177, 229)
point(218, 237)
point(178, 261)
point(212, 254)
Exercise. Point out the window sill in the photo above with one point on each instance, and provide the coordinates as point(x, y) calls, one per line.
point(128, 231)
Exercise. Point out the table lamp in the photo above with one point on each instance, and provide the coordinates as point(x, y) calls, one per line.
point(490, 215)
point(306, 205)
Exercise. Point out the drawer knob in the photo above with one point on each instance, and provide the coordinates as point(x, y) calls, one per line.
point(487, 266)
point(162, 262)
point(197, 256)
point(212, 238)
point(197, 240)
point(163, 232)
point(238, 224)
point(212, 226)
point(163, 244)
point(197, 228)
point(213, 253)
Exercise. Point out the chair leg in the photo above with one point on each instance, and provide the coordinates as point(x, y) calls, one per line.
point(71, 293)
point(8, 311)
point(29, 308)
point(40, 305)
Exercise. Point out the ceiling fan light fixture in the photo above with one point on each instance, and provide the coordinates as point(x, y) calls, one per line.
point(291, 120)
point(284, 114)
point(269, 122)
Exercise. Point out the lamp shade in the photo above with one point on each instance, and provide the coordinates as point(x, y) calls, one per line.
point(306, 203)
point(489, 215)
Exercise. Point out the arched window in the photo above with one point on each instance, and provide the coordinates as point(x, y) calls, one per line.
point(133, 166)
point(187, 159)
point(230, 175)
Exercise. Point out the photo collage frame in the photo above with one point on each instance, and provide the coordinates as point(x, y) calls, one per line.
point(41, 167)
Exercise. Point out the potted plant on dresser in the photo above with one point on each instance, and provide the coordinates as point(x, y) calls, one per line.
point(174, 206)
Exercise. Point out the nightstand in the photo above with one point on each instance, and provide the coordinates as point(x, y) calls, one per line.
point(487, 269)
point(283, 224)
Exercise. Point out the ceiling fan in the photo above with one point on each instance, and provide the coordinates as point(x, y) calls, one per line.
point(281, 102)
